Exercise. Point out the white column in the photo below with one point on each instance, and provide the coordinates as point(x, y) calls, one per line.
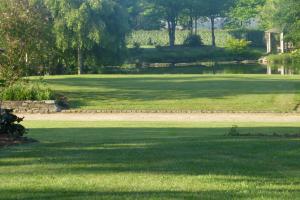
point(282, 42)
point(269, 70)
point(282, 70)
point(269, 42)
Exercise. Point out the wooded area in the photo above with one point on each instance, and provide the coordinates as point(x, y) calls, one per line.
point(64, 36)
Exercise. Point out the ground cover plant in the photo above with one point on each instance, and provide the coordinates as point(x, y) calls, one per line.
point(25, 90)
point(151, 160)
point(255, 93)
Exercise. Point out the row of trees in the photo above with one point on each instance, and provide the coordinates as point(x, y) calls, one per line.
point(175, 12)
point(56, 33)
point(59, 33)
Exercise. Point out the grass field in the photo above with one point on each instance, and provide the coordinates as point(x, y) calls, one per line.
point(139, 160)
point(180, 92)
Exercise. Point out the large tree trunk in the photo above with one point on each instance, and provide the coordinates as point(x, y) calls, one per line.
point(213, 37)
point(172, 32)
point(80, 60)
point(196, 25)
point(191, 25)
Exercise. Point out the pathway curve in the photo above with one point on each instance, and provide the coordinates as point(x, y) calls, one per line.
point(178, 117)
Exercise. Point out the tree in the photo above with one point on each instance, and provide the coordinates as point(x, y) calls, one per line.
point(245, 10)
point(169, 10)
point(285, 15)
point(194, 10)
point(215, 9)
point(25, 30)
point(79, 24)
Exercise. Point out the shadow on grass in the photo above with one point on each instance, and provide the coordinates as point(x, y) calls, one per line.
point(160, 150)
point(210, 194)
point(165, 151)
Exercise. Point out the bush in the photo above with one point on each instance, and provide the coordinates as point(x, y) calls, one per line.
point(234, 131)
point(238, 45)
point(257, 37)
point(286, 58)
point(10, 124)
point(22, 90)
point(193, 41)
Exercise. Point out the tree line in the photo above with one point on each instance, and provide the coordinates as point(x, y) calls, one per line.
point(61, 35)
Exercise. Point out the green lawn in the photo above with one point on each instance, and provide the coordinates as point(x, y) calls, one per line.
point(127, 160)
point(180, 92)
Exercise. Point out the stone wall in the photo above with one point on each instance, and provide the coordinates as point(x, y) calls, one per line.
point(32, 106)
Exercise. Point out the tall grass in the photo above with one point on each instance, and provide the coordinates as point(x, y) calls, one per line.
point(160, 37)
point(22, 91)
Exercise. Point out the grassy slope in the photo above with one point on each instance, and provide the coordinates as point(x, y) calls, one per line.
point(180, 92)
point(122, 160)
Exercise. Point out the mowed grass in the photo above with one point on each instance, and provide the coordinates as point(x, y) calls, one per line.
point(180, 92)
point(143, 160)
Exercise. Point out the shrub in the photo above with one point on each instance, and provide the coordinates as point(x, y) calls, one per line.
point(286, 58)
point(10, 124)
point(234, 131)
point(257, 37)
point(238, 45)
point(150, 42)
point(136, 45)
point(193, 41)
point(22, 90)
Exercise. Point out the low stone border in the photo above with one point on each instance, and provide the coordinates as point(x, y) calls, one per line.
point(171, 111)
point(46, 107)
point(32, 106)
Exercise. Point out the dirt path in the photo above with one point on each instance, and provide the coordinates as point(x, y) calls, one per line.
point(222, 117)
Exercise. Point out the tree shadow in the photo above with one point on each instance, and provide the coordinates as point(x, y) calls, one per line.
point(161, 150)
point(58, 194)
point(165, 151)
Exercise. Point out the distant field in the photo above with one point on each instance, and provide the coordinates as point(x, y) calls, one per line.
point(180, 92)
point(134, 160)
point(153, 38)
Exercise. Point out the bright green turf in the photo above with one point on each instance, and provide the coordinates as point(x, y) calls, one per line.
point(180, 92)
point(127, 160)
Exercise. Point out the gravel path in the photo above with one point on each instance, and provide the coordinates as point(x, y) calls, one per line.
point(195, 117)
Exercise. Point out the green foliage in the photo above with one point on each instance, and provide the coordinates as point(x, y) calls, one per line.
point(286, 58)
point(238, 45)
point(82, 25)
point(283, 15)
point(23, 90)
point(26, 35)
point(257, 37)
point(10, 124)
point(193, 41)
point(243, 11)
